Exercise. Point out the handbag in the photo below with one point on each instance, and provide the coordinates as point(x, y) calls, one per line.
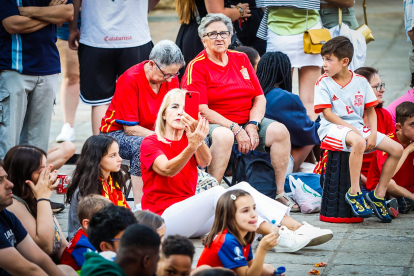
point(313, 40)
point(363, 29)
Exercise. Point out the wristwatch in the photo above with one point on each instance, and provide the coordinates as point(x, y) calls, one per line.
point(257, 124)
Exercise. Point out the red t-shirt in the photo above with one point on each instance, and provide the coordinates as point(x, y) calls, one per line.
point(160, 192)
point(405, 175)
point(134, 102)
point(229, 90)
point(384, 125)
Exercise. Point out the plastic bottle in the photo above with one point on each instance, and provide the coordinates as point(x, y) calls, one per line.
point(279, 271)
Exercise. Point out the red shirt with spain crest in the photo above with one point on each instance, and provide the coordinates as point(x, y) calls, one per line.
point(229, 90)
point(347, 102)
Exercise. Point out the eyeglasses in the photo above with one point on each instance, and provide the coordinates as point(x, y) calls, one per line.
point(379, 87)
point(213, 35)
point(166, 76)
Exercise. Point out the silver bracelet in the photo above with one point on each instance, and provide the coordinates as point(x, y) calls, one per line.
point(237, 132)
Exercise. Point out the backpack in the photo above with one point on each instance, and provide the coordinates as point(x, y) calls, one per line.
point(255, 171)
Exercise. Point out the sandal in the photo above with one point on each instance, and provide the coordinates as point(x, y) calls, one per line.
point(290, 202)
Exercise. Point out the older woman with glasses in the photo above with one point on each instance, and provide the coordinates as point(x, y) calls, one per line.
point(232, 99)
point(138, 96)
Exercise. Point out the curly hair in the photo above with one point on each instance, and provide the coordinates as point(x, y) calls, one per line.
point(177, 245)
point(105, 224)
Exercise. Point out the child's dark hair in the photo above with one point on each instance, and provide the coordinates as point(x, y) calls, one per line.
point(251, 53)
point(105, 224)
point(404, 111)
point(87, 171)
point(139, 237)
point(225, 218)
point(274, 69)
point(149, 219)
point(91, 204)
point(19, 163)
point(177, 245)
point(412, 80)
point(339, 46)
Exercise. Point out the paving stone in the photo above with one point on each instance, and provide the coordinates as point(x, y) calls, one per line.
point(364, 270)
point(374, 257)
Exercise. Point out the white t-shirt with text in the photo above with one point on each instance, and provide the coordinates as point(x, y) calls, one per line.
point(114, 23)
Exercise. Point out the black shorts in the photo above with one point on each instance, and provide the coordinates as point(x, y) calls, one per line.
point(101, 67)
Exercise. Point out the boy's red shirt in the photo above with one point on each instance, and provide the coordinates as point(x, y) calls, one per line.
point(404, 177)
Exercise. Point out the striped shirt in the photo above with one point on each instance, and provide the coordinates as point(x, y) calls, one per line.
point(305, 4)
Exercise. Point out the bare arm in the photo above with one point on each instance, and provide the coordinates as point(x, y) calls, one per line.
point(338, 4)
point(258, 109)
point(152, 4)
point(57, 14)
point(217, 6)
point(17, 24)
point(137, 131)
point(203, 155)
point(333, 118)
point(15, 264)
point(29, 249)
point(42, 229)
point(74, 33)
point(170, 168)
point(372, 119)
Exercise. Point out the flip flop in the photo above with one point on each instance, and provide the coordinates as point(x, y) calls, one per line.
point(290, 202)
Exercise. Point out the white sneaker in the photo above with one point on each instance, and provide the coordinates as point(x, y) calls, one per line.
point(288, 241)
point(318, 235)
point(136, 208)
point(66, 134)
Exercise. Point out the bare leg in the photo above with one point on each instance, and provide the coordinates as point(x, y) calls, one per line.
point(397, 191)
point(290, 223)
point(137, 185)
point(278, 139)
point(394, 151)
point(222, 142)
point(299, 154)
point(268, 269)
point(98, 112)
point(308, 76)
point(60, 154)
point(69, 90)
point(357, 142)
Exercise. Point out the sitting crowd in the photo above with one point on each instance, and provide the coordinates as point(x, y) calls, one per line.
point(246, 104)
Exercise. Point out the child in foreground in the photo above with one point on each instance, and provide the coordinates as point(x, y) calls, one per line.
point(97, 172)
point(402, 183)
point(342, 96)
point(228, 244)
point(73, 254)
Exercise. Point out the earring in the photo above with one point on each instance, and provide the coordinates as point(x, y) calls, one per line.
point(163, 118)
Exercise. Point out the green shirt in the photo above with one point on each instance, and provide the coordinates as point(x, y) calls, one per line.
point(290, 21)
point(95, 264)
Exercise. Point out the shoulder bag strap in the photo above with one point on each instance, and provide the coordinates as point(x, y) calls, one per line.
point(364, 5)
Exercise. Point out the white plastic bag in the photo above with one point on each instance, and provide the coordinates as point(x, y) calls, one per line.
point(307, 198)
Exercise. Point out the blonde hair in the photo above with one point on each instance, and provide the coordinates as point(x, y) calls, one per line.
point(185, 10)
point(160, 123)
point(91, 204)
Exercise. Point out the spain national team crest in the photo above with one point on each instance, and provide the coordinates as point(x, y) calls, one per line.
point(359, 100)
point(245, 73)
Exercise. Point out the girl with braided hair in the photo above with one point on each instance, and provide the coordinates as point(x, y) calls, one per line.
point(275, 77)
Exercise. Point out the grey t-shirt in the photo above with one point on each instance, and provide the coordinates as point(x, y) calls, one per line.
point(73, 219)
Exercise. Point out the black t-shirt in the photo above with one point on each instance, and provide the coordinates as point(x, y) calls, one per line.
point(12, 232)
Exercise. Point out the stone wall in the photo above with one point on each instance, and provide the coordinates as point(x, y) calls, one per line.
point(165, 4)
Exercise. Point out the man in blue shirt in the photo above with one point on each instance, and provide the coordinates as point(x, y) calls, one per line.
point(29, 68)
point(20, 255)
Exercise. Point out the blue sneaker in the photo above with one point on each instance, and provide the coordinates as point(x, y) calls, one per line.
point(358, 204)
point(379, 205)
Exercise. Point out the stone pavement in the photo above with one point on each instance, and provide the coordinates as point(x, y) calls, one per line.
point(368, 248)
